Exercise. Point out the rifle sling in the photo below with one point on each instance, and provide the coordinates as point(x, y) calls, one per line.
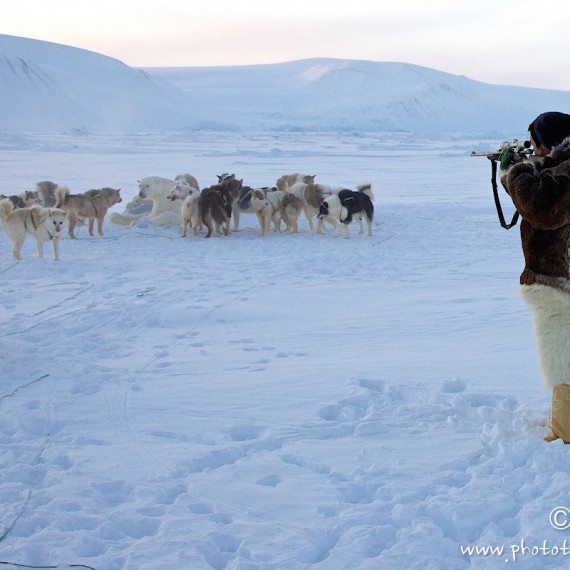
point(497, 200)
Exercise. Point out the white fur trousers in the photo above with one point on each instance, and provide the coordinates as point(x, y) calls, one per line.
point(550, 309)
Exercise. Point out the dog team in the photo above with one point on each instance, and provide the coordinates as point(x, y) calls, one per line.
point(180, 201)
point(163, 201)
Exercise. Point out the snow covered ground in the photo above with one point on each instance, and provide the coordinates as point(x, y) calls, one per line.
point(285, 402)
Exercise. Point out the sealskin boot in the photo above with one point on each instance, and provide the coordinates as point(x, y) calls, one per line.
point(560, 416)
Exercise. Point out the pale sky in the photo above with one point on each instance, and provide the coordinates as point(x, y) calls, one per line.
point(514, 42)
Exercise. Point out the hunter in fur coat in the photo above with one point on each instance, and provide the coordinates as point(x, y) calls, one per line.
point(541, 193)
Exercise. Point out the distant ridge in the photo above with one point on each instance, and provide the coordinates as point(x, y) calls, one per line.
point(49, 87)
point(333, 94)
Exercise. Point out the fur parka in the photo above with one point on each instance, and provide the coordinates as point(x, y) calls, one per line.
point(541, 194)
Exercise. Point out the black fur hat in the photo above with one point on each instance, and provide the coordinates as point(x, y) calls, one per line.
point(550, 129)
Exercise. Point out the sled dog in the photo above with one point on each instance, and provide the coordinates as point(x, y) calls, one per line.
point(216, 205)
point(92, 205)
point(190, 208)
point(45, 224)
point(276, 206)
point(357, 203)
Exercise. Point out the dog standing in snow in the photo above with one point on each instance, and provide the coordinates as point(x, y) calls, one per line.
point(92, 205)
point(45, 224)
point(347, 205)
point(190, 208)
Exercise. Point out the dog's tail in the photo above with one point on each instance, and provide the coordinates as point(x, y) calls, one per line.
point(61, 194)
point(313, 194)
point(282, 184)
point(6, 208)
point(366, 189)
point(290, 208)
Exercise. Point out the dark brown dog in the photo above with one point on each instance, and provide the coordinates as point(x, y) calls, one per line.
point(216, 205)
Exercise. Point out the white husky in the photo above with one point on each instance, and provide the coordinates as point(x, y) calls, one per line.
point(190, 209)
point(45, 224)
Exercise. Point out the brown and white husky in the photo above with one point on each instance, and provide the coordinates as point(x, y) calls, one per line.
point(92, 205)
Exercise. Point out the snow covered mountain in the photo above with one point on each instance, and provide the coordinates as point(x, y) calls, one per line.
point(332, 94)
point(51, 87)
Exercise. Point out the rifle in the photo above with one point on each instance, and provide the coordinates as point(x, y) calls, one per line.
point(508, 153)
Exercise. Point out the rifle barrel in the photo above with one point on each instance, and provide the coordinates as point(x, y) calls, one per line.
point(494, 155)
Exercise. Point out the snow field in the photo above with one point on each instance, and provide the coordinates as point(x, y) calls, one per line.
point(291, 401)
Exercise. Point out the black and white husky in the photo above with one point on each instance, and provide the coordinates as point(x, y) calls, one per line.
point(347, 205)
